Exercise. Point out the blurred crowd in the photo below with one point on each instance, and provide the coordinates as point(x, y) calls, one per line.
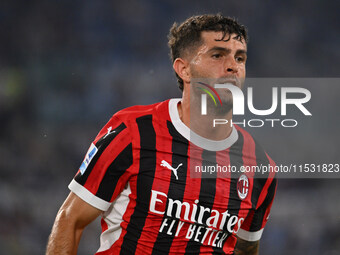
point(67, 66)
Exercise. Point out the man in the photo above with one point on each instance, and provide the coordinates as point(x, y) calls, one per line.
point(140, 174)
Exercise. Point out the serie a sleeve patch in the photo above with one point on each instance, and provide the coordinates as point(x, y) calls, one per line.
point(88, 157)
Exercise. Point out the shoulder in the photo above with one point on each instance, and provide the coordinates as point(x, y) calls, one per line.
point(137, 111)
point(125, 120)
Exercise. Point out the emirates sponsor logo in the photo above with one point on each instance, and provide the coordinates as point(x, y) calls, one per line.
point(205, 225)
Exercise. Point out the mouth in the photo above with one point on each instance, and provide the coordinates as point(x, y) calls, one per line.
point(233, 81)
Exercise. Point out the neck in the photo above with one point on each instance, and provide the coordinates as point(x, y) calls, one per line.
point(203, 125)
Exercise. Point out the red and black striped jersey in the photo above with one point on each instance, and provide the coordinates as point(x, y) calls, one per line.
point(141, 171)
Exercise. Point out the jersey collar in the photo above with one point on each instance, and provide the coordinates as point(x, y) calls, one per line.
point(196, 139)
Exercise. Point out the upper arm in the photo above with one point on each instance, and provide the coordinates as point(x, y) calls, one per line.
point(102, 175)
point(107, 166)
point(76, 212)
point(73, 216)
point(253, 225)
point(99, 180)
point(248, 236)
point(244, 247)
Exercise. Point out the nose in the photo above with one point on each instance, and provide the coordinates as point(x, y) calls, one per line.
point(231, 66)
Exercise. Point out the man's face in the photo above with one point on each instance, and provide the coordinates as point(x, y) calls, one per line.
point(218, 61)
point(224, 60)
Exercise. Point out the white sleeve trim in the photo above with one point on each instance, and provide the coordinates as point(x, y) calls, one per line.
point(250, 236)
point(88, 197)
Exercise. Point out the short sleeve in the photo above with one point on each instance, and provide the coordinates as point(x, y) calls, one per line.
point(252, 228)
point(107, 165)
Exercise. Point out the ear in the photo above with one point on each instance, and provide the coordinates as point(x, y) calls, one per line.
point(182, 68)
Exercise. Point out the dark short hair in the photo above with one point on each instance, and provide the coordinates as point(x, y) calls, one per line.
point(188, 34)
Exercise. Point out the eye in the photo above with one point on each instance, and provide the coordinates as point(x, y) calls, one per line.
point(240, 59)
point(217, 55)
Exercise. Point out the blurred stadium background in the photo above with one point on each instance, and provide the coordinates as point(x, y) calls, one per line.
point(67, 66)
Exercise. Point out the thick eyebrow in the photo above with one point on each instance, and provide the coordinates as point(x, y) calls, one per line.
point(226, 50)
point(241, 52)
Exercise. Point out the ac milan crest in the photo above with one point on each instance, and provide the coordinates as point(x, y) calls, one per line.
point(242, 186)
